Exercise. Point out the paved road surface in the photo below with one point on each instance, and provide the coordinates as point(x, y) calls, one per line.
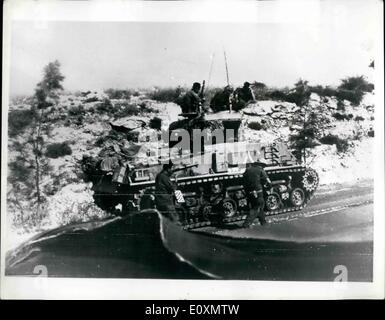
point(335, 229)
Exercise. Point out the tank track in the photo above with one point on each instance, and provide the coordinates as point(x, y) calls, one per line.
point(191, 224)
point(300, 177)
point(299, 174)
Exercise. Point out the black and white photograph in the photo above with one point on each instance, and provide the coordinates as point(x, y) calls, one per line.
point(182, 144)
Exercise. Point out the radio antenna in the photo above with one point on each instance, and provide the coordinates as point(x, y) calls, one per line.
point(211, 68)
point(227, 70)
point(228, 81)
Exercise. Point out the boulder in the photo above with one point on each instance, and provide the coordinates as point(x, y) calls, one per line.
point(128, 124)
point(332, 103)
point(295, 127)
point(315, 97)
point(268, 107)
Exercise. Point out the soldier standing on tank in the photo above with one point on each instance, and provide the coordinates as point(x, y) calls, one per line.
point(244, 95)
point(164, 192)
point(254, 178)
point(222, 99)
point(192, 100)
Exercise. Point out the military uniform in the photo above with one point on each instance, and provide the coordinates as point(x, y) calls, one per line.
point(164, 195)
point(221, 101)
point(253, 180)
point(244, 95)
point(191, 102)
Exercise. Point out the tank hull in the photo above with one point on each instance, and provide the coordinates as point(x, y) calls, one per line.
point(209, 199)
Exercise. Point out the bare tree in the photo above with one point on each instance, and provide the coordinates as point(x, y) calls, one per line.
point(46, 95)
point(30, 164)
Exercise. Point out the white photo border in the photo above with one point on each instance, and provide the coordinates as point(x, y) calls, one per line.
point(199, 11)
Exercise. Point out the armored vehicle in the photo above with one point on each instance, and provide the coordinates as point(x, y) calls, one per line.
point(210, 155)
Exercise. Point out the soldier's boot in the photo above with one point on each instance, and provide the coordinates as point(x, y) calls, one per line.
point(261, 217)
point(250, 218)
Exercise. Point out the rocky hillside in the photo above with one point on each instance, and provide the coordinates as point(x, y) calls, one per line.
point(80, 124)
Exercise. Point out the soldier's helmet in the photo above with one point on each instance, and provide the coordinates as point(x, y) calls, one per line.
point(168, 165)
point(196, 85)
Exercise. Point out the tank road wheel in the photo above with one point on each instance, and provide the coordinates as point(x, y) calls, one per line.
point(310, 180)
point(206, 212)
point(273, 202)
point(297, 197)
point(229, 208)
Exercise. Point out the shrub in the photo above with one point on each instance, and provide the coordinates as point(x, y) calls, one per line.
point(79, 120)
point(329, 139)
point(18, 120)
point(144, 108)
point(21, 99)
point(85, 93)
point(295, 97)
point(19, 171)
point(301, 93)
point(91, 99)
point(155, 123)
point(317, 89)
point(255, 126)
point(104, 107)
point(277, 95)
point(323, 91)
point(329, 92)
point(371, 133)
point(125, 109)
point(259, 85)
point(356, 83)
point(359, 118)
point(56, 150)
point(340, 105)
point(354, 96)
point(342, 145)
point(165, 94)
point(260, 90)
point(76, 111)
point(353, 89)
point(120, 94)
point(340, 116)
point(357, 135)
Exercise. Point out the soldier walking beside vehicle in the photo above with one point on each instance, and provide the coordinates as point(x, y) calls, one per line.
point(254, 178)
point(164, 192)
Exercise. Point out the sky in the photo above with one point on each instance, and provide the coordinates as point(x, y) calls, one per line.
point(140, 54)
